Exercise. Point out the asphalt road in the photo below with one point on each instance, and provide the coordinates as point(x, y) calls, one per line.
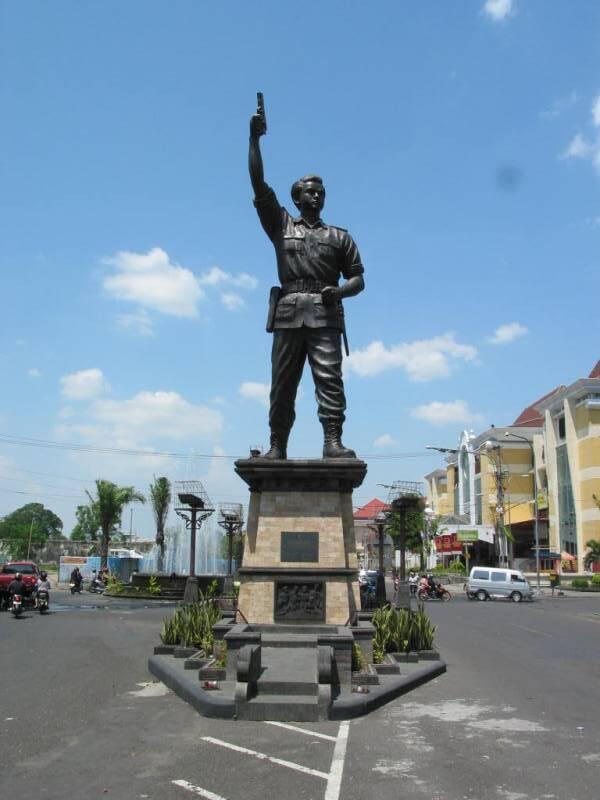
point(515, 717)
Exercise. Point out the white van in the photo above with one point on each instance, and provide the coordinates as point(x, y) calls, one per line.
point(491, 582)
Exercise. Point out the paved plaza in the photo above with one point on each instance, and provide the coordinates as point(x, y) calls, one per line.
point(514, 718)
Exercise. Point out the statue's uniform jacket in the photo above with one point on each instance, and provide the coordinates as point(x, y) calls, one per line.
point(308, 258)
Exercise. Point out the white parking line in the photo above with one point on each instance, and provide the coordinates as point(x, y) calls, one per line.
point(336, 771)
point(198, 790)
point(282, 763)
point(303, 730)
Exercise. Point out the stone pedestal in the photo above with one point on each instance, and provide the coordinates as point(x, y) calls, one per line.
point(300, 564)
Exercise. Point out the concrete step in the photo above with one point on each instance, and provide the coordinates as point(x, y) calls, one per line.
point(289, 640)
point(288, 671)
point(288, 708)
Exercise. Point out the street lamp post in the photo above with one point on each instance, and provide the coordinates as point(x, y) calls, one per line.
point(429, 515)
point(536, 533)
point(380, 520)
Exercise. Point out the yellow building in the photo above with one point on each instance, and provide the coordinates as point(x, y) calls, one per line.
point(541, 472)
point(569, 450)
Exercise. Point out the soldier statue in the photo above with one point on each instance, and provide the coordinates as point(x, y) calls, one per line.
point(305, 312)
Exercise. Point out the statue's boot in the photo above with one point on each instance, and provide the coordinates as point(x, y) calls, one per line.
point(332, 445)
point(278, 449)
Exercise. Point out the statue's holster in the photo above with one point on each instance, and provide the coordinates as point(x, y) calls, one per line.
point(274, 295)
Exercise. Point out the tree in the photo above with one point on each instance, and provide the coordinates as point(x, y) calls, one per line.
point(87, 527)
point(593, 554)
point(160, 495)
point(109, 503)
point(30, 523)
point(237, 546)
point(414, 525)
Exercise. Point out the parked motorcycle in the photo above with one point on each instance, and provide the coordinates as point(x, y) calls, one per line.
point(96, 587)
point(17, 605)
point(434, 594)
point(43, 600)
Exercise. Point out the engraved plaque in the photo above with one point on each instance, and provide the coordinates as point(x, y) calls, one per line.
point(300, 547)
point(300, 601)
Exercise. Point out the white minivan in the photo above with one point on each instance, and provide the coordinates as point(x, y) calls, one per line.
point(491, 582)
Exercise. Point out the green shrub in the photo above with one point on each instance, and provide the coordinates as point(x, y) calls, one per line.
point(358, 661)
point(192, 625)
point(153, 586)
point(457, 567)
point(401, 631)
point(580, 583)
point(596, 580)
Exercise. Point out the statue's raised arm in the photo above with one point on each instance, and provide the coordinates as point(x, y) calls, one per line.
point(258, 128)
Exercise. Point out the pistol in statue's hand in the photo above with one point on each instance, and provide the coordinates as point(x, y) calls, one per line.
point(330, 295)
point(258, 127)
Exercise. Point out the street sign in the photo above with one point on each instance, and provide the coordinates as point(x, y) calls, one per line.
point(467, 536)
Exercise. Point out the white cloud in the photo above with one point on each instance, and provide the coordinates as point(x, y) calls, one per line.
point(256, 391)
point(34, 372)
point(152, 281)
point(138, 322)
point(385, 440)
point(498, 9)
point(85, 384)
point(216, 276)
point(578, 147)
point(436, 413)
point(596, 111)
point(508, 333)
point(423, 360)
point(151, 414)
point(232, 301)
point(561, 105)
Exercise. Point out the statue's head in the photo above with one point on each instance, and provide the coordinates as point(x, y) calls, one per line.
point(309, 193)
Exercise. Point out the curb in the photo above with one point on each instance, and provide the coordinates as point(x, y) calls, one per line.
point(356, 705)
point(187, 686)
point(349, 706)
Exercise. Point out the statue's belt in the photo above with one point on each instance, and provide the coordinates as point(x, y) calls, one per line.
point(302, 285)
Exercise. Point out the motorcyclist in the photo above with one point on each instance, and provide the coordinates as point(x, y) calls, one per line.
point(42, 584)
point(76, 577)
point(16, 586)
point(431, 585)
point(413, 580)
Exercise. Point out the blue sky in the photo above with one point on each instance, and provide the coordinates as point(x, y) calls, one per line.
point(459, 143)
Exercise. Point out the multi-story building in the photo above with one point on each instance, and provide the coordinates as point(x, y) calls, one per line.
point(569, 450)
point(528, 484)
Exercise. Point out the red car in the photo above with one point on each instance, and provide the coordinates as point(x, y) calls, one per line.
point(28, 570)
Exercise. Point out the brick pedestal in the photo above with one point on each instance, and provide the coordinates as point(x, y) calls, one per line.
point(300, 563)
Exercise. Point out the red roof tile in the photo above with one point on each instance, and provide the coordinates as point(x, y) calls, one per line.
point(595, 373)
point(530, 417)
point(371, 510)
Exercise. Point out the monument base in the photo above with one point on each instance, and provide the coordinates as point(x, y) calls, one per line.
point(300, 565)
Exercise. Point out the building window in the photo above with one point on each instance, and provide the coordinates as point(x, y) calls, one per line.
point(566, 503)
point(478, 501)
point(561, 430)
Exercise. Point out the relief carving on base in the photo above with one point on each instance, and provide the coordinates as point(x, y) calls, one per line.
point(299, 601)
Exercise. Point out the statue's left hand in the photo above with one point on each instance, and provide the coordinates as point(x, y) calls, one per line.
point(330, 295)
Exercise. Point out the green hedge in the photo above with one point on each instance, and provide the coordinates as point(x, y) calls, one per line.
point(580, 583)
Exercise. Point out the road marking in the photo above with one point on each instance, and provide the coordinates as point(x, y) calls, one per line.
point(336, 771)
point(303, 730)
point(531, 630)
point(282, 762)
point(198, 790)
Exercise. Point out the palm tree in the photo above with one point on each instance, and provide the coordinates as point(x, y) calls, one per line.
point(109, 504)
point(593, 554)
point(160, 496)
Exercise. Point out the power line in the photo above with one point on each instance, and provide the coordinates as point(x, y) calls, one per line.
point(82, 448)
point(43, 494)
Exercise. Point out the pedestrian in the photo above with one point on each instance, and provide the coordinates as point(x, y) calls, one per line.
point(554, 580)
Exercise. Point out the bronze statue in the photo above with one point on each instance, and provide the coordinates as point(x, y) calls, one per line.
point(306, 315)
